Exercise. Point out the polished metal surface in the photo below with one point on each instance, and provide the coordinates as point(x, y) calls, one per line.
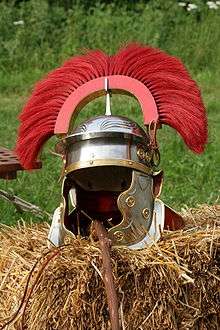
point(56, 233)
point(156, 227)
point(95, 135)
point(109, 124)
point(136, 205)
point(107, 138)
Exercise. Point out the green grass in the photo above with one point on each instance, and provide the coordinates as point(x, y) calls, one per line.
point(49, 36)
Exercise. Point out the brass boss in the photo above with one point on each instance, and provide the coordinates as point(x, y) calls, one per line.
point(130, 201)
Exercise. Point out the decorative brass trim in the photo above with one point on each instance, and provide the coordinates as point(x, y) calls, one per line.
point(108, 162)
point(146, 213)
point(130, 201)
point(141, 153)
point(119, 236)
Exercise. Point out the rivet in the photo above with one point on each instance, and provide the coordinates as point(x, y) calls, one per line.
point(141, 153)
point(118, 235)
point(130, 201)
point(91, 162)
point(148, 156)
point(130, 163)
point(145, 213)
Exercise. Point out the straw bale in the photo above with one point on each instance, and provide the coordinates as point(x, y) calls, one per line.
point(175, 284)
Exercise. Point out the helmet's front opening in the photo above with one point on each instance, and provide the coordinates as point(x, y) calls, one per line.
point(96, 193)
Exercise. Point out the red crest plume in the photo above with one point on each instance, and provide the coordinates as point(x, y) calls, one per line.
point(176, 95)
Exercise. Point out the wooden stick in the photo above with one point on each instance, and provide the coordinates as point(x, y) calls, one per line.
point(22, 205)
point(107, 273)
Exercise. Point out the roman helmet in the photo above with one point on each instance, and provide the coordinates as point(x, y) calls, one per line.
point(110, 163)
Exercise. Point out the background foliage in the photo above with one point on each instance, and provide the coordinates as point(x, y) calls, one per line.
point(38, 35)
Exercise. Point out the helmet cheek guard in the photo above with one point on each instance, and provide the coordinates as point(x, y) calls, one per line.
point(136, 205)
point(110, 161)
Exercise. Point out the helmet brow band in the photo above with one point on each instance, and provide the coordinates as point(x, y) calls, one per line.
point(94, 88)
point(108, 162)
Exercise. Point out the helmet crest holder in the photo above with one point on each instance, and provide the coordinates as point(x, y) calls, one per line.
point(116, 84)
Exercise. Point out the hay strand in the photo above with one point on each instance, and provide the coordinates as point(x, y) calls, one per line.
point(175, 284)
